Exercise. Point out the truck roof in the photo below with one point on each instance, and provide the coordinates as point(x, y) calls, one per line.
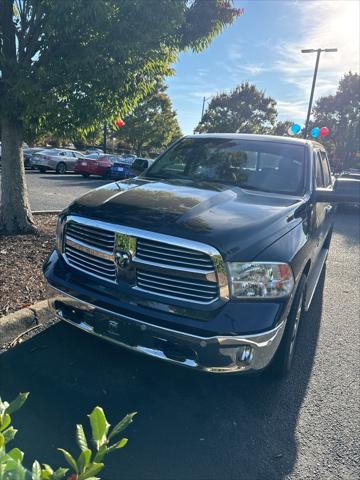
point(261, 138)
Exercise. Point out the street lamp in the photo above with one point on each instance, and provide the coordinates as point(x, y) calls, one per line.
point(318, 51)
point(203, 109)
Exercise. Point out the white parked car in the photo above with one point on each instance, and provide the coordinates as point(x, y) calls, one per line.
point(58, 159)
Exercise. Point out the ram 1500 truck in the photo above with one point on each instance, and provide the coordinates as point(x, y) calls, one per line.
point(207, 259)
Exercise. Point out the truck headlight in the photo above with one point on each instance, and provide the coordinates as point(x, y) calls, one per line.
point(59, 234)
point(260, 280)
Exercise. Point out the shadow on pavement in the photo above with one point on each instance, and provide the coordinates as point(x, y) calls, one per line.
point(347, 223)
point(189, 426)
point(74, 180)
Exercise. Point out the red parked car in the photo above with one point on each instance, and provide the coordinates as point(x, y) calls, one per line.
point(95, 164)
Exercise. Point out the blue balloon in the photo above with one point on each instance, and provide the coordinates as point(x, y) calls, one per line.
point(295, 128)
point(315, 132)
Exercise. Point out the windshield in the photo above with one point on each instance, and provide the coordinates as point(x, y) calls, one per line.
point(269, 166)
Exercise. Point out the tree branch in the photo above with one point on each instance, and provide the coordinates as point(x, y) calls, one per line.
point(32, 32)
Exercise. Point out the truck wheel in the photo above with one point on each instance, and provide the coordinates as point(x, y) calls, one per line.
point(60, 168)
point(283, 358)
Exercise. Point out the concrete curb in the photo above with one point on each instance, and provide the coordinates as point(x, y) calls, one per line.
point(44, 212)
point(14, 324)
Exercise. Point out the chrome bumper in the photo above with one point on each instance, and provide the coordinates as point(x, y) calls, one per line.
point(218, 354)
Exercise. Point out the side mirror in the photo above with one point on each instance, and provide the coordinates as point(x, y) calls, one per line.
point(345, 190)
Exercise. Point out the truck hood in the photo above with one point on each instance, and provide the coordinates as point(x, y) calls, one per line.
point(239, 223)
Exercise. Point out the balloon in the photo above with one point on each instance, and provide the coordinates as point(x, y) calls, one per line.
point(295, 128)
point(120, 123)
point(290, 132)
point(315, 132)
point(324, 132)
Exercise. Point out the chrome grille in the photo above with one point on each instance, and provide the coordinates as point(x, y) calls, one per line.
point(161, 265)
point(176, 287)
point(96, 237)
point(90, 249)
point(90, 263)
point(172, 256)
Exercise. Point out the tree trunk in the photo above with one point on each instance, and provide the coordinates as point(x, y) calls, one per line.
point(15, 212)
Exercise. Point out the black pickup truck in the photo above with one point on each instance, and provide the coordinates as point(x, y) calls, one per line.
point(207, 259)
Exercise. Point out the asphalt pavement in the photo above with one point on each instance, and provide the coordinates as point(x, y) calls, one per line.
point(193, 426)
point(49, 191)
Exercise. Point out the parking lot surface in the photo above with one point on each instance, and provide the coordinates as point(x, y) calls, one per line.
point(49, 191)
point(193, 426)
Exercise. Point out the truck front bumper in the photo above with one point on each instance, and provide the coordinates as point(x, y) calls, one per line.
point(218, 354)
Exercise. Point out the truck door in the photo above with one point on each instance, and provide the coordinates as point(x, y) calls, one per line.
point(323, 211)
point(329, 209)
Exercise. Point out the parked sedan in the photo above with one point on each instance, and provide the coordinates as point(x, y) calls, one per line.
point(139, 166)
point(28, 153)
point(353, 173)
point(121, 169)
point(60, 160)
point(95, 164)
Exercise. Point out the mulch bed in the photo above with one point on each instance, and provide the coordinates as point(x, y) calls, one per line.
point(21, 259)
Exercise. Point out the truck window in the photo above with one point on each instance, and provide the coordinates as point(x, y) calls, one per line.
point(268, 166)
point(319, 179)
point(325, 169)
point(267, 160)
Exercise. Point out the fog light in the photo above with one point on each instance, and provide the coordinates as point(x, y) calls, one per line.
point(245, 355)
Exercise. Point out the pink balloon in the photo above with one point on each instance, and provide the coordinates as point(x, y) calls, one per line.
point(324, 132)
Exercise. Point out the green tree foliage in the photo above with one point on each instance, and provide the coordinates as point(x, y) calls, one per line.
point(84, 466)
point(281, 128)
point(244, 110)
point(152, 124)
point(340, 113)
point(69, 65)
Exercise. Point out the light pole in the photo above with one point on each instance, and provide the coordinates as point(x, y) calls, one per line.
point(203, 109)
point(318, 52)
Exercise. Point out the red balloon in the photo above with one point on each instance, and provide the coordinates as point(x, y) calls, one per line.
point(120, 123)
point(324, 132)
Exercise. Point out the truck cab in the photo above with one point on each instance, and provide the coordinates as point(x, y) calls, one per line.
point(208, 259)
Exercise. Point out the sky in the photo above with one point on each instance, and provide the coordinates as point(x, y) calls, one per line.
point(263, 46)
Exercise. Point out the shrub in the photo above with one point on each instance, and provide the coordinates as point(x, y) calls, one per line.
point(88, 463)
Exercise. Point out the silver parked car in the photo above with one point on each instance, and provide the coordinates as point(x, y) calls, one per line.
point(58, 159)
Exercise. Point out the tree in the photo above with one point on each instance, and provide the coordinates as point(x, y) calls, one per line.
point(69, 65)
point(281, 128)
point(152, 124)
point(340, 113)
point(245, 109)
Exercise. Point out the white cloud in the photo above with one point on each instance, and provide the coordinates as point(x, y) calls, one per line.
point(325, 24)
point(291, 110)
point(253, 68)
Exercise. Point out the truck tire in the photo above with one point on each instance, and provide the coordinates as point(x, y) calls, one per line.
point(60, 168)
point(282, 361)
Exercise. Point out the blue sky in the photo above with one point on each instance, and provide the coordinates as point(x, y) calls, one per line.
point(263, 46)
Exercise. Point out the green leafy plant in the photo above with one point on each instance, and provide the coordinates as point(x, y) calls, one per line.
point(86, 466)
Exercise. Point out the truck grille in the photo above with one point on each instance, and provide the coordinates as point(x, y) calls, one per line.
point(90, 249)
point(95, 237)
point(171, 255)
point(177, 287)
point(165, 269)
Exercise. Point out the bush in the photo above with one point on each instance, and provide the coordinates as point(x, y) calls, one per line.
point(87, 465)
